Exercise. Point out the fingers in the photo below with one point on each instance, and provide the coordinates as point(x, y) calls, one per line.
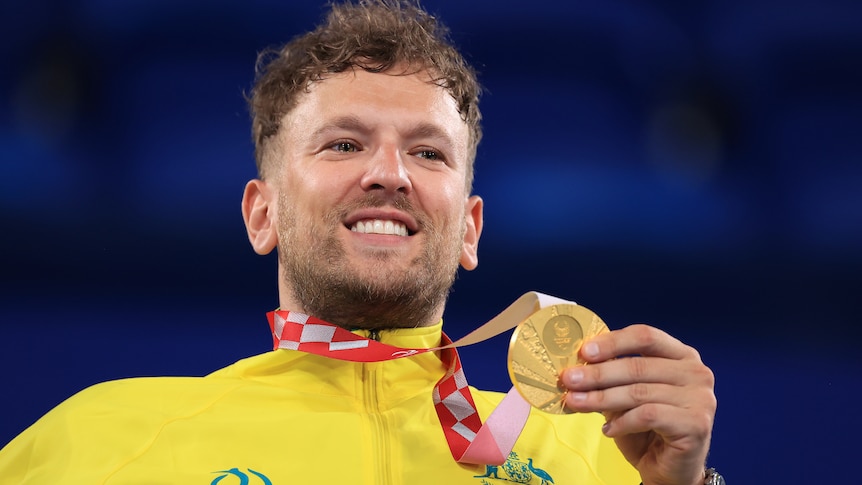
point(668, 373)
point(622, 398)
point(635, 339)
point(663, 419)
point(630, 370)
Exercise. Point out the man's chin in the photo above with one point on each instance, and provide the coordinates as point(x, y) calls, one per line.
point(383, 273)
point(375, 257)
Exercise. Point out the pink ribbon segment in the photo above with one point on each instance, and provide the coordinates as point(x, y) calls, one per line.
point(469, 440)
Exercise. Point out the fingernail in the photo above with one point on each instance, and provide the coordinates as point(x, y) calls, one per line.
point(606, 427)
point(578, 396)
point(574, 376)
point(591, 349)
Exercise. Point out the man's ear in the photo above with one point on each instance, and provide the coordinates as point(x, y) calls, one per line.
point(473, 218)
point(260, 213)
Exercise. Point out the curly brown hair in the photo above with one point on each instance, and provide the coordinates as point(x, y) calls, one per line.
point(374, 35)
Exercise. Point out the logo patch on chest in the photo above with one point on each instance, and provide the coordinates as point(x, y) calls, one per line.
point(515, 470)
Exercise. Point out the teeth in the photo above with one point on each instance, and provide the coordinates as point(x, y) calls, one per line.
point(378, 226)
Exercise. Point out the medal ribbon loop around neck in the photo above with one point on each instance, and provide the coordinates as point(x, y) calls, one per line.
point(470, 441)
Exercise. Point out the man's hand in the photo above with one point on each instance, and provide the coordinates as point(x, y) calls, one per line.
point(657, 397)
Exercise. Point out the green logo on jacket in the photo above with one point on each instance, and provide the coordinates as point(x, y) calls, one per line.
point(243, 477)
point(516, 470)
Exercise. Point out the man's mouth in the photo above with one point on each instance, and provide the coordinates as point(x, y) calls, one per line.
point(380, 226)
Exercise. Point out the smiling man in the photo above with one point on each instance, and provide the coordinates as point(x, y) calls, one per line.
point(365, 194)
point(365, 132)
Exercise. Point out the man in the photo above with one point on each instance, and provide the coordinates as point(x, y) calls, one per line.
point(365, 132)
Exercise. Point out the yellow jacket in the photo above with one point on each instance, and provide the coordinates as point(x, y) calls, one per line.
point(286, 417)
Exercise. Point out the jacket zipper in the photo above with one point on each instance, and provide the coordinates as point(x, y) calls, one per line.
point(380, 432)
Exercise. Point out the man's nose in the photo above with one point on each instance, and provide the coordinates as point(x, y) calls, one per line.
point(388, 172)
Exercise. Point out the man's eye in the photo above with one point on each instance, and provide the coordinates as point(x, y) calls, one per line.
point(429, 155)
point(344, 147)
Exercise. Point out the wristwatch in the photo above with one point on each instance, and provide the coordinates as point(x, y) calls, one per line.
point(713, 478)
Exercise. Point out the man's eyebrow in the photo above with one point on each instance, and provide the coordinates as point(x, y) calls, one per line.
point(348, 123)
point(353, 123)
point(428, 130)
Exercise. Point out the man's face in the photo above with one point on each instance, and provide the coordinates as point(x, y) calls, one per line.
point(371, 211)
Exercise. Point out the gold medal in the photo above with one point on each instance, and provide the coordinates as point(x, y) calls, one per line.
point(543, 345)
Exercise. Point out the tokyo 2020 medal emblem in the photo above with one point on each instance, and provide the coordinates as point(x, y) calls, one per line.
point(543, 345)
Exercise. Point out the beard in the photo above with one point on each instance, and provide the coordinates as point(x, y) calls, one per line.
point(375, 295)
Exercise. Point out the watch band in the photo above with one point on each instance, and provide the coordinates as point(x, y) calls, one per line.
point(711, 477)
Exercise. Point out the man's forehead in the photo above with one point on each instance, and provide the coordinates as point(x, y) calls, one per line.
point(407, 91)
point(389, 77)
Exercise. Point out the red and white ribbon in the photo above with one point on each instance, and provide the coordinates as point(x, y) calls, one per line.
point(469, 440)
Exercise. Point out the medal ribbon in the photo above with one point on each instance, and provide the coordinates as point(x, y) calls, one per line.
point(469, 440)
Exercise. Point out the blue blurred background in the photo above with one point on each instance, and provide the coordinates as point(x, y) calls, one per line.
point(693, 165)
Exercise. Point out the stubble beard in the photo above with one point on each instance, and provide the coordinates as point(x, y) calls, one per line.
point(316, 270)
